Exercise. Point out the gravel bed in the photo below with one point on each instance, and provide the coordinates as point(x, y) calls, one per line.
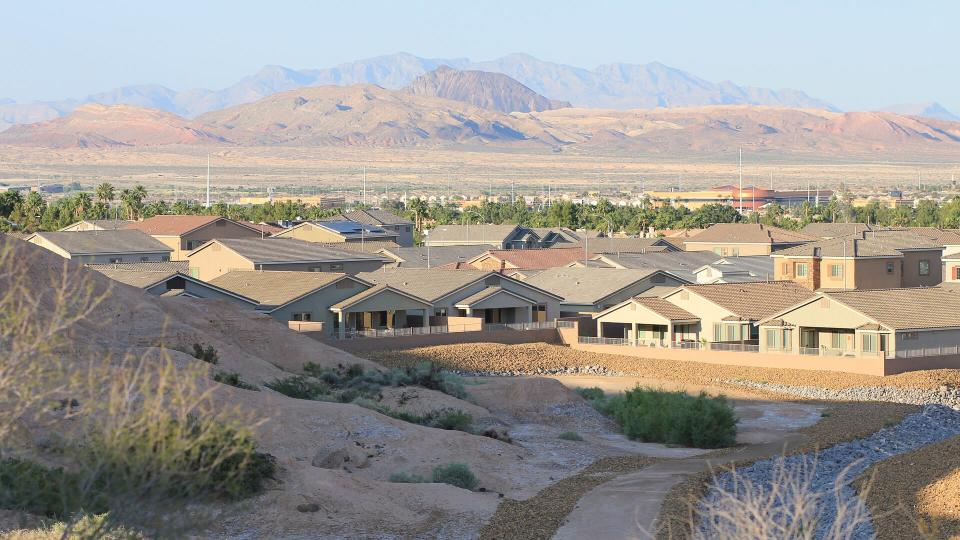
point(933, 424)
point(948, 396)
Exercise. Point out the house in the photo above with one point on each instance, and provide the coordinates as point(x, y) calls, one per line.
point(113, 246)
point(338, 231)
point(96, 225)
point(871, 260)
point(738, 239)
point(736, 270)
point(429, 257)
point(557, 236)
point(167, 279)
point(293, 296)
point(909, 328)
point(471, 293)
point(591, 290)
point(617, 244)
point(184, 233)
point(385, 220)
point(220, 256)
point(723, 314)
point(494, 236)
point(828, 231)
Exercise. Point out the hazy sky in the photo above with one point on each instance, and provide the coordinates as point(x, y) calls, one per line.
point(855, 54)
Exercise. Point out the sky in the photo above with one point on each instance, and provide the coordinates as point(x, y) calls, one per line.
point(857, 55)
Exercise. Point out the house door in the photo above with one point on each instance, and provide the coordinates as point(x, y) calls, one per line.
point(809, 338)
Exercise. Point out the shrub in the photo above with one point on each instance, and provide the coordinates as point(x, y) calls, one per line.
point(591, 394)
point(369, 383)
point(300, 387)
point(233, 379)
point(673, 417)
point(404, 478)
point(208, 354)
point(451, 419)
point(570, 436)
point(455, 474)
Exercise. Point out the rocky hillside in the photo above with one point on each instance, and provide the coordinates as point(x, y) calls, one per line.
point(493, 91)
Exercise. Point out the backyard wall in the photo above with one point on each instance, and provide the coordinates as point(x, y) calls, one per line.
point(507, 337)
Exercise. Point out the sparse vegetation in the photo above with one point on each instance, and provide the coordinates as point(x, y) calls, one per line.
point(405, 478)
point(208, 354)
point(455, 474)
point(669, 417)
point(570, 436)
point(233, 379)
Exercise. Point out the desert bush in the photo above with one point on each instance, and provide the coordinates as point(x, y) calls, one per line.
point(570, 436)
point(208, 354)
point(449, 419)
point(405, 478)
point(591, 394)
point(671, 417)
point(369, 383)
point(82, 527)
point(233, 379)
point(455, 474)
point(784, 507)
point(300, 387)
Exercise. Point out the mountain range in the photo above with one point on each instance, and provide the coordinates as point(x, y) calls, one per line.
point(367, 115)
point(617, 86)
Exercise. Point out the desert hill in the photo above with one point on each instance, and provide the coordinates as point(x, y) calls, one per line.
point(97, 126)
point(366, 115)
point(492, 91)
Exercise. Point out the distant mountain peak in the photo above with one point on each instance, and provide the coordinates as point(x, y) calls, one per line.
point(491, 91)
point(930, 109)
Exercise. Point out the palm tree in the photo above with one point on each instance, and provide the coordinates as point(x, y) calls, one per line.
point(419, 208)
point(105, 193)
point(132, 200)
point(82, 205)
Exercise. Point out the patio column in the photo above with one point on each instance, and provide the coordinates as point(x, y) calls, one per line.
point(469, 312)
point(390, 316)
point(530, 314)
point(426, 318)
point(343, 324)
point(599, 329)
point(633, 333)
point(670, 334)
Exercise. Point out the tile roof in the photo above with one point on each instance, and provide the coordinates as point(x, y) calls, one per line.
point(752, 301)
point(679, 263)
point(367, 246)
point(833, 230)
point(586, 285)
point(375, 216)
point(871, 244)
point(171, 225)
point(416, 257)
point(103, 224)
point(137, 278)
point(626, 245)
point(372, 291)
point(274, 288)
point(470, 233)
point(164, 266)
point(351, 229)
point(665, 309)
point(749, 233)
point(940, 237)
point(288, 250)
point(487, 293)
point(757, 265)
point(105, 242)
point(901, 309)
point(430, 284)
point(535, 258)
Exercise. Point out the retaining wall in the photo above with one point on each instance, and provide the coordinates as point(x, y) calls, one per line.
point(507, 337)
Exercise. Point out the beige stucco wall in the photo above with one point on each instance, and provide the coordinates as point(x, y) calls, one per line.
point(209, 263)
point(872, 274)
point(708, 312)
point(911, 268)
point(449, 302)
point(217, 229)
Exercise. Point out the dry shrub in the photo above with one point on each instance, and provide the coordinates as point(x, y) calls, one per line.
point(784, 507)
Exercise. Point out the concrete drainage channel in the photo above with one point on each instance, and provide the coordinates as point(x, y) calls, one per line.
point(826, 471)
point(948, 396)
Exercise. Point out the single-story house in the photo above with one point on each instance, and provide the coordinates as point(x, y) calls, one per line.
point(338, 231)
point(429, 257)
point(168, 279)
point(385, 220)
point(591, 290)
point(183, 233)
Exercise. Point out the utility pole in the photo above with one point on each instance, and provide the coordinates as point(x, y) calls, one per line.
point(208, 181)
point(740, 169)
point(364, 186)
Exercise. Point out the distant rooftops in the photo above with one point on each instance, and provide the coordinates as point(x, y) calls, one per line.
point(749, 233)
point(751, 301)
point(104, 242)
point(375, 216)
point(287, 250)
point(273, 289)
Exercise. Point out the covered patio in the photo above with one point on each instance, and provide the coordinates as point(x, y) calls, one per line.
point(496, 305)
point(648, 322)
point(380, 307)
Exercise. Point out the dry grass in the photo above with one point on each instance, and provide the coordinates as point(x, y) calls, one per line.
point(531, 357)
point(917, 494)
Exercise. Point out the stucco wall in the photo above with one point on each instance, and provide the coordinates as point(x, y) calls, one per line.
point(872, 274)
point(318, 303)
point(508, 337)
point(911, 268)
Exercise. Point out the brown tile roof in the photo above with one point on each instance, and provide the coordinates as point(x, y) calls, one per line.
point(367, 246)
point(749, 233)
point(105, 242)
point(171, 225)
point(626, 245)
point(487, 293)
point(665, 309)
point(376, 289)
point(274, 288)
point(416, 257)
point(870, 244)
point(939, 237)
point(903, 309)
point(165, 266)
point(375, 216)
point(833, 230)
point(471, 233)
point(427, 283)
point(752, 301)
point(535, 258)
point(137, 278)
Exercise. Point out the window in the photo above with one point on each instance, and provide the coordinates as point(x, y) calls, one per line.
point(787, 339)
point(785, 269)
point(717, 332)
point(800, 269)
point(924, 267)
point(889, 267)
point(165, 258)
point(735, 252)
point(336, 267)
point(302, 316)
point(716, 250)
point(836, 270)
point(407, 228)
point(869, 343)
point(956, 273)
point(144, 259)
point(836, 340)
point(908, 336)
point(116, 260)
point(440, 312)
point(195, 273)
point(772, 339)
point(314, 269)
